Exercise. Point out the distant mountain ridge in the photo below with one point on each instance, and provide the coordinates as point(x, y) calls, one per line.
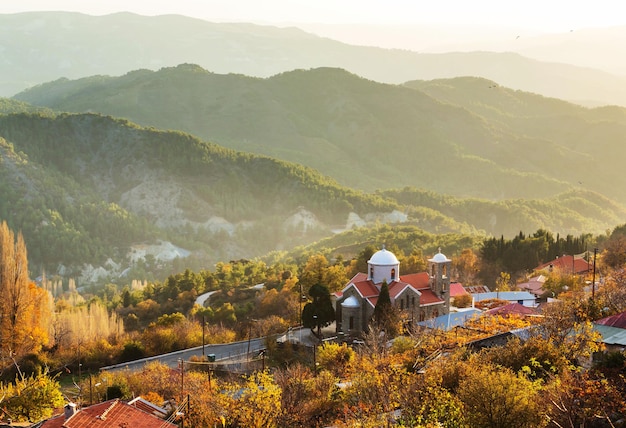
point(466, 136)
point(41, 46)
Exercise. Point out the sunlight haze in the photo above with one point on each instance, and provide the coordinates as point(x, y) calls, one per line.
point(552, 16)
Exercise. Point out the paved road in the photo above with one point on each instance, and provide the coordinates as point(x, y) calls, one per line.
point(223, 351)
point(201, 299)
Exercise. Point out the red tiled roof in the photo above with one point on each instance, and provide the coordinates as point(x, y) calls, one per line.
point(618, 321)
point(54, 422)
point(512, 309)
point(366, 288)
point(359, 277)
point(534, 285)
point(417, 280)
point(397, 287)
point(428, 297)
point(567, 264)
point(148, 407)
point(112, 413)
point(457, 289)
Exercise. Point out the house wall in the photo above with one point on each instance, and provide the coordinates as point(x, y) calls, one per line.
point(360, 315)
point(408, 302)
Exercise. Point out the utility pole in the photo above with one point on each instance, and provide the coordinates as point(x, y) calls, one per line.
point(300, 320)
point(182, 378)
point(203, 322)
point(593, 283)
point(315, 360)
point(249, 337)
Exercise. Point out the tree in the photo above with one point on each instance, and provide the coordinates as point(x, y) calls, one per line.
point(24, 310)
point(564, 324)
point(385, 315)
point(307, 400)
point(503, 283)
point(425, 403)
point(614, 254)
point(466, 266)
point(363, 258)
point(413, 263)
point(496, 397)
point(314, 272)
point(583, 398)
point(334, 357)
point(255, 403)
point(383, 304)
point(320, 312)
point(31, 398)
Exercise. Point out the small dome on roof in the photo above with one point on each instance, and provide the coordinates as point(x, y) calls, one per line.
point(351, 302)
point(439, 258)
point(383, 258)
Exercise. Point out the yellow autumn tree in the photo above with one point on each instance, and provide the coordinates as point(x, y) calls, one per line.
point(253, 403)
point(23, 308)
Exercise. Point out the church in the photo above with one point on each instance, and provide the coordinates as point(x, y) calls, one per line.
point(421, 295)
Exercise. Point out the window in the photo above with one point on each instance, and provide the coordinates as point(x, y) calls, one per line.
point(401, 304)
point(351, 323)
point(393, 274)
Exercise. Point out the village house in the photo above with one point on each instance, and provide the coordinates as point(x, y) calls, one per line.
point(566, 264)
point(115, 413)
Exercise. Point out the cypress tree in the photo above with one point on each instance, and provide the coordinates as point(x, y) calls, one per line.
point(383, 305)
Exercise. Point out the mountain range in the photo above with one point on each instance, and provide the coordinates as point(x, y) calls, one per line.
point(37, 47)
point(465, 137)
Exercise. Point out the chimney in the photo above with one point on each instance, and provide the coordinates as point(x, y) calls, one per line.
point(69, 410)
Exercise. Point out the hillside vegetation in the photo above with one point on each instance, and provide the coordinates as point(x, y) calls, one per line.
point(83, 188)
point(86, 188)
point(465, 137)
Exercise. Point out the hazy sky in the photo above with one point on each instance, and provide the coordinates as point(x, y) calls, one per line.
point(539, 15)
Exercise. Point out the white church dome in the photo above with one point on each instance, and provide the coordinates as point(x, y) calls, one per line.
point(383, 258)
point(351, 302)
point(439, 258)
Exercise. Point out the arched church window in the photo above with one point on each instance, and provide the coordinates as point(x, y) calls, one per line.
point(351, 323)
point(401, 304)
point(422, 315)
point(371, 273)
point(393, 274)
point(433, 271)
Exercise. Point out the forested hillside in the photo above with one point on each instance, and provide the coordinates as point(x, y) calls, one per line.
point(85, 188)
point(369, 135)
